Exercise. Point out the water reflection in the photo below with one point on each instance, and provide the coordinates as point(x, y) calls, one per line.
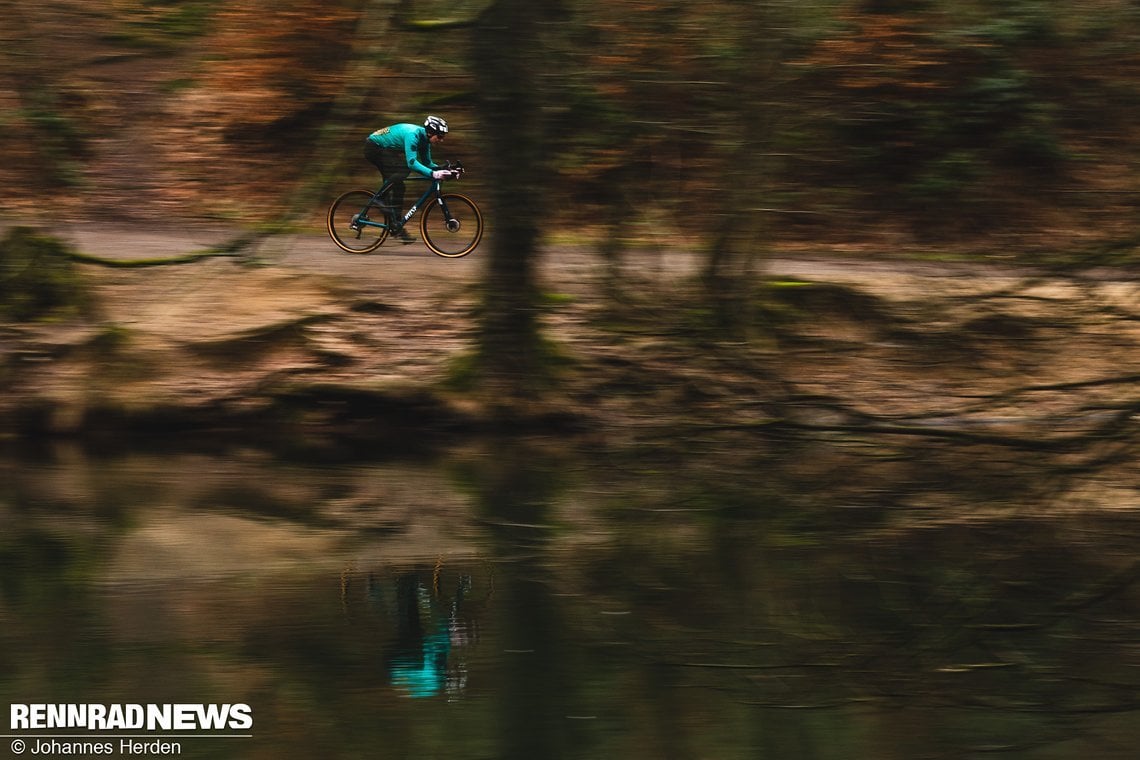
point(434, 627)
point(516, 605)
point(535, 696)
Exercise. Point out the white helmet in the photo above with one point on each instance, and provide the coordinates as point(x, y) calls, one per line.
point(435, 126)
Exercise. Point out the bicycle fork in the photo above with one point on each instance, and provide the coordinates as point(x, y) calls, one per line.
point(451, 222)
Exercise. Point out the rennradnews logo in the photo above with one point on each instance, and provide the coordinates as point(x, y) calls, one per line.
point(131, 717)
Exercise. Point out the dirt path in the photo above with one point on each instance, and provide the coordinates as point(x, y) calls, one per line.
point(561, 264)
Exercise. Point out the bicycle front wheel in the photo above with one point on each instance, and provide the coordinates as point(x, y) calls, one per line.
point(352, 222)
point(452, 226)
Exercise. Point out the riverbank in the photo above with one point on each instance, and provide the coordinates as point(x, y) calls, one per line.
point(301, 340)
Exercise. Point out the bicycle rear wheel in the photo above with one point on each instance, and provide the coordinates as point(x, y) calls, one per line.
point(346, 212)
point(456, 232)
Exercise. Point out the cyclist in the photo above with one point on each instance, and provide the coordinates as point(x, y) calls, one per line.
point(400, 149)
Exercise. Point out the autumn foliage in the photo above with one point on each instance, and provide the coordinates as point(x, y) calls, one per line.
point(869, 112)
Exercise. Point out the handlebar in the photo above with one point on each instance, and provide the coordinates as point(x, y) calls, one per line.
point(454, 171)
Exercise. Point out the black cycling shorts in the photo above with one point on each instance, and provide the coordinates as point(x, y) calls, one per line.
point(390, 161)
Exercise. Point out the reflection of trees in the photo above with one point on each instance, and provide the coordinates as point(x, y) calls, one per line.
point(514, 491)
point(712, 618)
point(807, 606)
point(1001, 634)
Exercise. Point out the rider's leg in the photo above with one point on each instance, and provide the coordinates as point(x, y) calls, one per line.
point(390, 165)
point(393, 168)
point(395, 199)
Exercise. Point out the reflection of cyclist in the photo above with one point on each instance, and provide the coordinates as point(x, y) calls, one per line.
point(429, 631)
point(401, 149)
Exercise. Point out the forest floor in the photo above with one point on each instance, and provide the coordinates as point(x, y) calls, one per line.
point(949, 347)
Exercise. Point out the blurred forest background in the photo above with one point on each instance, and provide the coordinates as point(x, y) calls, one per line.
point(831, 120)
point(731, 129)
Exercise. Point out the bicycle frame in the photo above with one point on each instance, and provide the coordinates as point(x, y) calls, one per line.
point(434, 189)
point(450, 229)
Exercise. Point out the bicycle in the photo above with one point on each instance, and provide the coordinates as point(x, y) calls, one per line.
point(451, 224)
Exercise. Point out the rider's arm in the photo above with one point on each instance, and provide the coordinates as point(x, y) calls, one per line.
point(413, 159)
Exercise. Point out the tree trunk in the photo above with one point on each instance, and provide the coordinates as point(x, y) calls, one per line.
point(505, 55)
point(739, 240)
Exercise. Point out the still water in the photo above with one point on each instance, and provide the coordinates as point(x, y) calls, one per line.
point(503, 605)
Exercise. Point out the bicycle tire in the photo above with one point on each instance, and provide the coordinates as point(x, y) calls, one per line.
point(457, 239)
point(343, 212)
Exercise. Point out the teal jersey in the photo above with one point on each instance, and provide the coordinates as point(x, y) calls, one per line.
point(412, 140)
